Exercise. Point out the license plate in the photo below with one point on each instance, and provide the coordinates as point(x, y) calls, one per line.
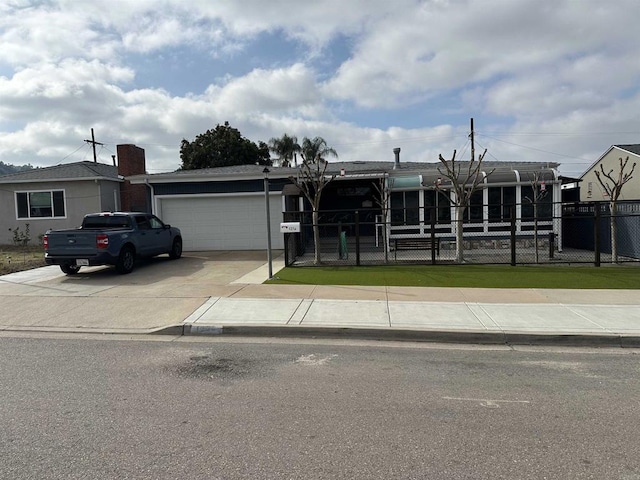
point(82, 261)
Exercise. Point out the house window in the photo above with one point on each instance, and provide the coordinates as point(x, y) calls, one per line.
point(473, 213)
point(544, 205)
point(440, 201)
point(501, 201)
point(405, 208)
point(42, 204)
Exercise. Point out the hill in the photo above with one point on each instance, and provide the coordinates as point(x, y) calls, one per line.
point(6, 168)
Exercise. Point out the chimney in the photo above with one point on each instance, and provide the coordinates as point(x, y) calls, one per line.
point(396, 152)
point(131, 161)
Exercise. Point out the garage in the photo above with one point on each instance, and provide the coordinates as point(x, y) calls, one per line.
point(223, 222)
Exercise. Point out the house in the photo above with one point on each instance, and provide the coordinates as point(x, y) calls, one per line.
point(592, 191)
point(59, 196)
point(225, 208)
point(220, 208)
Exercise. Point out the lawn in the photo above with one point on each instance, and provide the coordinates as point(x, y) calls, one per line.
point(486, 276)
point(15, 259)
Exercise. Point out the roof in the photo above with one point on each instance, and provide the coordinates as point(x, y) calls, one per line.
point(359, 168)
point(65, 172)
point(631, 148)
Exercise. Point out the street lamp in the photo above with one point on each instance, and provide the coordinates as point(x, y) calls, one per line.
point(266, 201)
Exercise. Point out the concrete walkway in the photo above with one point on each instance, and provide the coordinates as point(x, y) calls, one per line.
point(443, 314)
point(245, 306)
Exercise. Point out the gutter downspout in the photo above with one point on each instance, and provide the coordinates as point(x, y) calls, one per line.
point(154, 206)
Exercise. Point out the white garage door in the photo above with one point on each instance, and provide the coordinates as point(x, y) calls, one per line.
point(224, 222)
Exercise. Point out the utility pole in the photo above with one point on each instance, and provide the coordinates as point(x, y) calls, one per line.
point(473, 145)
point(93, 144)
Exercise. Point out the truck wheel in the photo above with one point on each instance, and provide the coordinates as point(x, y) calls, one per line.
point(176, 248)
point(69, 269)
point(126, 260)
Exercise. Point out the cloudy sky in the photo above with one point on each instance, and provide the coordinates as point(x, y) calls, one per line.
point(544, 80)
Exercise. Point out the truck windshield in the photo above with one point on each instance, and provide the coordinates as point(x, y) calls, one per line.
point(106, 222)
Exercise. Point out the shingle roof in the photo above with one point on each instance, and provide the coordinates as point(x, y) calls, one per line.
point(351, 168)
point(633, 148)
point(230, 170)
point(69, 171)
point(420, 167)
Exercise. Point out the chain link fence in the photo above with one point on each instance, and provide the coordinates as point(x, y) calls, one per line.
point(517, 235)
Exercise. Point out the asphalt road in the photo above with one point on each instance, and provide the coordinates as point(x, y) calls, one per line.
point(212, 408)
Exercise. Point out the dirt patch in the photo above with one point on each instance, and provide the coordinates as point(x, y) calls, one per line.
point(16, 259)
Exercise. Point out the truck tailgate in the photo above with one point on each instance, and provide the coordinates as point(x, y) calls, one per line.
point(75, 243)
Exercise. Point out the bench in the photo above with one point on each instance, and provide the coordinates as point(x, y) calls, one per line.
point(416, 243)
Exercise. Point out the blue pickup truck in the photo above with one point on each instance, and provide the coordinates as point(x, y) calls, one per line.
point(111, 238)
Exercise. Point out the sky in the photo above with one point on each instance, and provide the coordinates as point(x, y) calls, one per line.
point(544, 80)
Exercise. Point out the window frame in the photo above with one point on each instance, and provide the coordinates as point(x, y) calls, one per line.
point(408, 212)
point(53, 202)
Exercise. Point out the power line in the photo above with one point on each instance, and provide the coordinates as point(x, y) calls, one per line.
point(535, 149)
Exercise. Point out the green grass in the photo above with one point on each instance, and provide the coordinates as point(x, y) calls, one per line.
point(474, 276)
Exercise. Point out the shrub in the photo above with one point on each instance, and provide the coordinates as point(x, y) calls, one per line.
point(21, 237)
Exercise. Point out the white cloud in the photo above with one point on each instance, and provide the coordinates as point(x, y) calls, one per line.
point(290, 89)
point(554, 69)
point(447, 45)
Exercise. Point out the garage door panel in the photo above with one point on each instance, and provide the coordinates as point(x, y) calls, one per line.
point(224, 223)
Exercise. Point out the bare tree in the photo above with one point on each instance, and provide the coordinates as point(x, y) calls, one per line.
point(383, 198)
point(612, 186)
point(464, 183)
point(312, 179)
point(538, 193)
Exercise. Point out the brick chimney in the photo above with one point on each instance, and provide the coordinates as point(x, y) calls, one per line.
point(131, 161)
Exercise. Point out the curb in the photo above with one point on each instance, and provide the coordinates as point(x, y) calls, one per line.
point(435, 336)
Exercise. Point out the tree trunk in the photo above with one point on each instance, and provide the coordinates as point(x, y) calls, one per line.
point(459, 235)
point(614, 232)
point(535, 230)
point(385, 242)
point(316, 237)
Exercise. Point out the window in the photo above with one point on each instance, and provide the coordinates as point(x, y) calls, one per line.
point(473, 213)
point(44, 204)
point(156, 223)
point(501, 201)
point(544, 205)
point(405, 208)
point(143, 222)
point(441, 202)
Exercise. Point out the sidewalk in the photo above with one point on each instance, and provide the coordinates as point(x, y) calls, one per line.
point(508, 316)
point(43, 300)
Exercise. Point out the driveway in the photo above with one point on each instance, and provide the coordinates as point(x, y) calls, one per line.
point(157, 293)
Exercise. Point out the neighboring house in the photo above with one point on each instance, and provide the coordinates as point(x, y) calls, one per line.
point(59, 196)
point(592, 191)
point(225, 208)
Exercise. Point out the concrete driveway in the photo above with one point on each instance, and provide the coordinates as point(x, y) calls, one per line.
point(157, 293)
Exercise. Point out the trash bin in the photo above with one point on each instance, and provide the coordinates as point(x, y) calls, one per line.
point(343, 253)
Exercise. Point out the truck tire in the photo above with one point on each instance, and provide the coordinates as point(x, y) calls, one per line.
point(126, 260)
point(176, 248)
point(69, 269)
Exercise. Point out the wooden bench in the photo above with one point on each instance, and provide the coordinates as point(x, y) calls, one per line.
point(416, 243)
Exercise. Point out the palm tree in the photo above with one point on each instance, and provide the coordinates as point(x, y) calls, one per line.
point(312, 179)
point(285, 148)
point(315, 151)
